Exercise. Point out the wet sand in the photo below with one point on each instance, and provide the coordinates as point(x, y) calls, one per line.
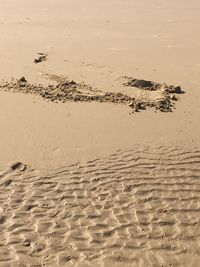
point(94, 184)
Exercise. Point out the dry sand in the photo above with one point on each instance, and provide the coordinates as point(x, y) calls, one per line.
point(134, 208)
point(93, 184)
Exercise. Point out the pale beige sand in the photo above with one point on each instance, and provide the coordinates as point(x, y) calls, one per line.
point(134, 208)
point(102, 187)
point(50, 135)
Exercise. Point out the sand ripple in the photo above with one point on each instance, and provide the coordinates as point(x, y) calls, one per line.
point(134, 208)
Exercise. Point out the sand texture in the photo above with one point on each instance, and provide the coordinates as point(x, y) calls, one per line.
point(71, 91)
point(133, 208)
point(99, 133)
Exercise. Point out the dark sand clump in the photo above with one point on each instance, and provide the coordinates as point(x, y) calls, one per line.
point(42, 57)
point(152, 86)
point(71, 91)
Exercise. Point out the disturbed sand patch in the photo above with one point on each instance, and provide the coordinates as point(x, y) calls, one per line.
point(152, 86)
point(165, 102)
point(68, 90)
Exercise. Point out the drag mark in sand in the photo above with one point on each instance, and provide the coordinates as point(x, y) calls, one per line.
point(133, 208)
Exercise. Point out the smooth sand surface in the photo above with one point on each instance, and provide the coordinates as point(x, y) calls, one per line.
point(98, 185)
point(50, 135)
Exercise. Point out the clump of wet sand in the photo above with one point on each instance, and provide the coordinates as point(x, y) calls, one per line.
point(152, 86)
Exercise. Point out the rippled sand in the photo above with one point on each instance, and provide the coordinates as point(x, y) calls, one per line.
point(133, 208)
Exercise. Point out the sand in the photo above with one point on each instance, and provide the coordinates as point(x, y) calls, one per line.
point(98, 181)
point(66, 91)
point(134, 208)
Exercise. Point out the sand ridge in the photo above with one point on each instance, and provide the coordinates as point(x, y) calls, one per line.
point(134, 208)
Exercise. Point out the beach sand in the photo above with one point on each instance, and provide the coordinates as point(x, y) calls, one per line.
point(85, 183)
